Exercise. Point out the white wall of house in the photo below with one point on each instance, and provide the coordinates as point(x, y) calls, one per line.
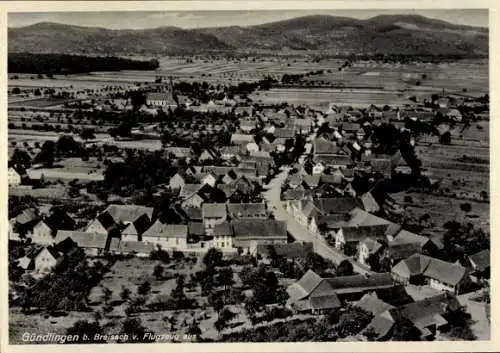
point(363, 253)
point(44, 262)
point(42, 234)
point(433, 283)
point(339, 239)
point(252, 147)
point(209, 180)
point(130, 237)
point(318, 169)
point(210, 222)
point(13, 177)
point(167, 242)
point(313, 226)
point(96, 227)
point(223, 242)
point(193, 201)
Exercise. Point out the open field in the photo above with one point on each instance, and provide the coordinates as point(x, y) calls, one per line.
point(354, 97)
point(442, 209)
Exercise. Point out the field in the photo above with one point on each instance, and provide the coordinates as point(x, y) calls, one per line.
point(321, 97)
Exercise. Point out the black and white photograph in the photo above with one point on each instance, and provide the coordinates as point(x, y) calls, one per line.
point(248, 176)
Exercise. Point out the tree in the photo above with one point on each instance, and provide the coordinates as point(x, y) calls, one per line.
point(106, 294)
point(158, 271)
point(144, 288)
point(225, 277)
point(87, 134)
point(404, 330)
point(46, 155)
point(125, 293)
point(213, 258)
point(134, 329)
point(16, 90)
point(37, 92)
point(345, 268)
point(466, 207)
point(85, 331)
point(216, 301)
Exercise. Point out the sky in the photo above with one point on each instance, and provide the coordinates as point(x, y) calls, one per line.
point(199, 19)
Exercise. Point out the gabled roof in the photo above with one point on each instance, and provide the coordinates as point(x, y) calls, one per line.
point(223, 229)
point(192, 213)
point(286, 133)
point(163, 230)
point(27, 216)
point(333, 159)
point(128, 213)
point(259, 228)
point(188, 190)
point(370, 303)
point(439, 270)
point(323, 146)
point(335, 205)
point(311, 181)
point(335, 178)
point(131, 246)
point(289, 251)
point(481, 260)
point(357, 283)
point(398, 251)
point(306, 284)
point(217, 170)
point(294, 194)
point(372, 245)
point(361, 218)
point(83, 239)
point(241, 138)
point(369, 203)
point(214, 210)
point(196, 228)
point(247, 210)
point(139, 226)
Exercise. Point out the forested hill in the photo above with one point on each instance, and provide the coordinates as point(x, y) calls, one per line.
point(388, 34)
point(72, 64)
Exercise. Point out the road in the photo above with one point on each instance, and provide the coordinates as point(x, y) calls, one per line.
point(298, 231)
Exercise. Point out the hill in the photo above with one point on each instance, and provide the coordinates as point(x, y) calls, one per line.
point(388, 34)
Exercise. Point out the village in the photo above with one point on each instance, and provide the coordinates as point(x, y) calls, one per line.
point(172, 215)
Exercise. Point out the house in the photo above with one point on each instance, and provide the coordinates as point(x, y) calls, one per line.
point(94, 244)
point(246, 210)
point(382, 166)
point(441, 275)
point(310, 181)
point(206, 178)
point(26, 220)
point(222, 236)
point(366, 248)
point(228, 152)
point(133, 230)
point(13, 177)
point(190, 195)
point(41, 260)
point(168, 236)
point(368, 202)
point(160, 99)
point(313, 294)
point(213, 213)
point(177, 181)
point(121, 216)
point(334, 178)
point(318, 168)
point(426, 315)
point(252, 147)
point(333, 291)
point(136, 248)
point(284, 133)
point(363, 225)
point(178, 152)
point(43, 233)
point(247, 125)
point(248, 233)
point(334, 160)
point(243, 111)
point(206, 155)
point(372, 304)
point(479, 263)
point(241, 139)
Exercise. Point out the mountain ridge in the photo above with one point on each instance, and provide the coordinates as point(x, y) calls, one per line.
point(389, 34)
